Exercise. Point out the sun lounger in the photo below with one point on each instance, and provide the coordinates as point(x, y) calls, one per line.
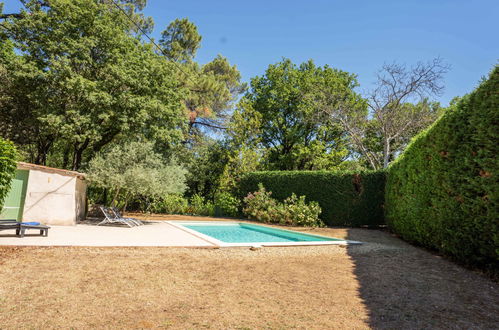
point(8, 221)
point(117, 214)
point(44, 230)
point(110, 217)
point(21, 227)
point(10, 224)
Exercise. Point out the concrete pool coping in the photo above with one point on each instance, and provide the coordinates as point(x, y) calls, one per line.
point(178, 224)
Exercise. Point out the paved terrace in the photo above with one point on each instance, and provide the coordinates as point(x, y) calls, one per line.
point(151, 234)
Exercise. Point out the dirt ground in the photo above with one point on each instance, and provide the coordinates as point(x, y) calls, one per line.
point(384, 284)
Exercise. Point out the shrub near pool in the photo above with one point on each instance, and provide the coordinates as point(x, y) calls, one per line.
point(171, 204)
point(443, 192)
point(226, 205)
point(346, 198)
point(293, 211)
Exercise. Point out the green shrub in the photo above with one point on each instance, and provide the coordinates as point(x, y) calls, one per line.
point(174, 204)
point(443, 192)
point(227, 204)
point(293, 211)
point(199, 206)
point(346, 198)
point(8, 156)
point(260, 206)
point(171, 204)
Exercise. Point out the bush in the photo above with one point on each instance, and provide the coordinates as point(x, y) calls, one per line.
point(346, 198)
point(293, 211)
point(442, 193)
point(199, 206)
point(8, 156)
point(174, 204)
point(171, 204)
point(227, 204)
point(260, 206)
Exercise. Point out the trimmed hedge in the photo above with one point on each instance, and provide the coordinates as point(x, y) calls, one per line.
point(443, 192)
point(8, 155)
point(346, 199)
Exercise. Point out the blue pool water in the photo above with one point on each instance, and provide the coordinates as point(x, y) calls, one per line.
point(248, 233)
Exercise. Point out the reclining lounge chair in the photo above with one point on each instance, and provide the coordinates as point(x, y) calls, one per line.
point(111, 217)
point(21, 227)
point(9, 224)
point(117, 214)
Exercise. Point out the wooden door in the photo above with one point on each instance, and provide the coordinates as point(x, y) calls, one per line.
point(14, 201)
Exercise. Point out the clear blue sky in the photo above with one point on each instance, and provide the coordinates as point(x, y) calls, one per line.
point(356, 36)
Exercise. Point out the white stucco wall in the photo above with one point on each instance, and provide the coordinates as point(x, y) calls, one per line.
point(50, 198)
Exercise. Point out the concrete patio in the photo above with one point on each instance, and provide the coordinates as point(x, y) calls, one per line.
point(153, 233)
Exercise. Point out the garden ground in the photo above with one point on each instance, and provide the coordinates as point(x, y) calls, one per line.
point(384, 283)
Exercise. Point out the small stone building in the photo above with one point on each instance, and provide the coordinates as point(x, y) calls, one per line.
point(47, 195)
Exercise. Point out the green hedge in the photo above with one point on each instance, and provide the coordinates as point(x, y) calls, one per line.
point(8, 166)
point(442, 193)
point(346, 199)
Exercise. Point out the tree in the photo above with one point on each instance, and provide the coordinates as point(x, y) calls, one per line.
point(399, 108)
point(292, 131)
point(243, 140)
point(180, 40)
point(205, 165)
point(135, 170)
point(82, 81)
point(398, 85)
point(212, 87)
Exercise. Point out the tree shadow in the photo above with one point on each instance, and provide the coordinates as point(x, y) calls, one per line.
point(405, 287)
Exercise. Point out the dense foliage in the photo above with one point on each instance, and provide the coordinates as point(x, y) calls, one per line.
point(170, 204)
point(346, 198)
point(295, 211)
point(134, 171)
point(282, 104)
point(8, 155)
point(443, 192)
point(223, 205)
point(80, 79)
point(205, 164)
point(227, 205)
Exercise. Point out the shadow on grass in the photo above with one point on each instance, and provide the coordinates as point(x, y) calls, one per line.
point(404, 287)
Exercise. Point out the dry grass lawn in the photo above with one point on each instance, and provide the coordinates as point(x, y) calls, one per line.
point(384, 283)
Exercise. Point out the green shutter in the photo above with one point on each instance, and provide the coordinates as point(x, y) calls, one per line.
point(14, 202)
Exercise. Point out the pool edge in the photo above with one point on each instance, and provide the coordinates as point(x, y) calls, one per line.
point(219, 243)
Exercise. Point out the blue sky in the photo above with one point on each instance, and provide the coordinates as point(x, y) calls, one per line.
point(356, 36)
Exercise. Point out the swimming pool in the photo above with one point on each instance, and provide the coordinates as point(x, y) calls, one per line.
point(245, 234)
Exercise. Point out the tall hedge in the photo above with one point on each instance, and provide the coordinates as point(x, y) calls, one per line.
point(443, 192)
point(8, 157)
point(346, 199)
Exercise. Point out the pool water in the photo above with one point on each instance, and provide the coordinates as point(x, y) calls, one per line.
point(248, 233)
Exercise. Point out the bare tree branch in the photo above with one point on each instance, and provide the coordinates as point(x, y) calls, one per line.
point(397, 104)
point(397, 84)
point(208, 125)
point(13, 15)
